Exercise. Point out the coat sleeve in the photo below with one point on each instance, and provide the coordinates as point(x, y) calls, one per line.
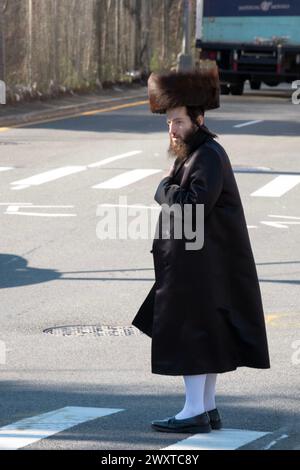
point(205, 183)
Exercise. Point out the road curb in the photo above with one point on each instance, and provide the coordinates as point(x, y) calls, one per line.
point(20, 118)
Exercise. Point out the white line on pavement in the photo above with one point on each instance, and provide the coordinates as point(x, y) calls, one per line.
point(279, 224)
point(125, 179)
point(249, 123)
point(14, 210)
point(56, 173)
point(271, 444)
point(47, 176)
point(112, 159)
point(285, 216)
point(6, 168)
point(32, 205)
point(278, 186)
point(40, 214)
point(224, 439)
point(27, 431)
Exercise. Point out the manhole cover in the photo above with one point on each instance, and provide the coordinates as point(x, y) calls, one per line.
point(94, 330)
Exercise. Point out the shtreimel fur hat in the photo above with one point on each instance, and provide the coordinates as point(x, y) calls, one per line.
point(193, 88)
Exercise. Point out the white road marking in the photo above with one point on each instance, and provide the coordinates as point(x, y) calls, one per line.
point(13, 206)
point(282, 224)
point(249, 123)
point(56, 173)
point(112, 159)
point(278, 186)
point(124, 179)
point(38, 214)
point(47, 176)
point(15, 203)
point(6, 168)
point(224, 439)
point(27, 431)
point(271, 444)
point(285, 216)
point(279, 224)
point(14, 210)
point(22, 186)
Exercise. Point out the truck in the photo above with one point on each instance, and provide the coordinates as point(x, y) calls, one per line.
point(252, 40)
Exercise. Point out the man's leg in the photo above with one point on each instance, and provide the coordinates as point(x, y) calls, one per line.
point(210, 392)
point(194, 400)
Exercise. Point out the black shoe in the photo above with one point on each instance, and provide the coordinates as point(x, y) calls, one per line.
point(195, 424)
point(214, 419)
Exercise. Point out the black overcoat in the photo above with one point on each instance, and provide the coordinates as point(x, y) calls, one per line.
point(204, 311)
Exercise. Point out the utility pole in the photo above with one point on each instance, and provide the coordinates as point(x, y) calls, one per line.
point(184, 59)
point(2, 39)
point(2, 54)
point(29, 59)
point(199, 19)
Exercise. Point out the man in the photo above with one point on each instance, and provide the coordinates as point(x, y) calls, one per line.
point(204, 312)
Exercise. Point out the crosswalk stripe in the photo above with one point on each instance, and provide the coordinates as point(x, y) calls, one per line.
point(47, 176)
point(56, 173)
point(27, 431)
point(278, 186)
point(124, 179)
point(224, 439)
point(114, 158)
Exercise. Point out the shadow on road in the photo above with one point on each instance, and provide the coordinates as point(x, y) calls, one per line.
point(132, 425)
point(15, 272)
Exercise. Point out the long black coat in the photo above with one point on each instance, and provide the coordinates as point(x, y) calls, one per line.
point(204, 312)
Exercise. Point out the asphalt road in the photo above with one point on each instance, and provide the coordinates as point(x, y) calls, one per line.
point(55, 271)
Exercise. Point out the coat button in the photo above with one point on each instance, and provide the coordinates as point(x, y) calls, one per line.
point(151, 251)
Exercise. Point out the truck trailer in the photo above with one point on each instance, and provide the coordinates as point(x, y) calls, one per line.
point(251, 40)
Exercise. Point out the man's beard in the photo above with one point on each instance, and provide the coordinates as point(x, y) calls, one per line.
point(180, 149)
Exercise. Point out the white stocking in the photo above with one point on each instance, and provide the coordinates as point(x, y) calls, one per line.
point(194, 400)
point(209, 392)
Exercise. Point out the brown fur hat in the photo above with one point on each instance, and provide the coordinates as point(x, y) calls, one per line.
point(193, 88)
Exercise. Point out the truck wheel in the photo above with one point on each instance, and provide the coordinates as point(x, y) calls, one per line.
point(272, 83)
point(224, 89)
point(255, 85)
point(237, 88)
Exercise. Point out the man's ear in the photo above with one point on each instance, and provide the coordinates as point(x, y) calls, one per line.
point(200, 119)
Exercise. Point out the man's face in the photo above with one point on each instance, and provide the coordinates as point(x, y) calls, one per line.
point(181, 128)
point(180, 124)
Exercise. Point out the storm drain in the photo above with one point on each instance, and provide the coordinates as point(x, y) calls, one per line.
point(93, 330)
